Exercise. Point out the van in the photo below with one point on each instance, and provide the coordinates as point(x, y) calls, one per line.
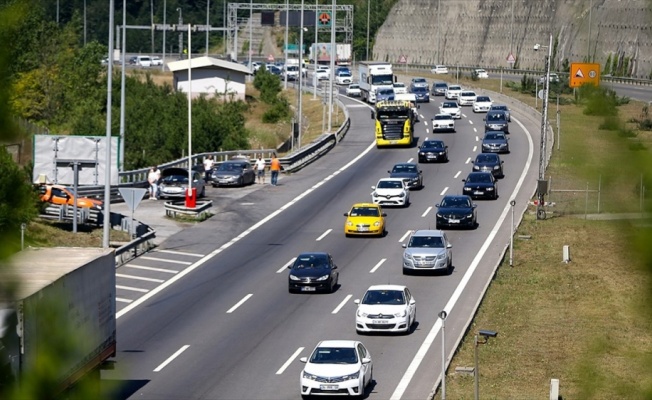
point(144, 61)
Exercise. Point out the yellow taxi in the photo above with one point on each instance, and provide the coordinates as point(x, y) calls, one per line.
point(365, 219)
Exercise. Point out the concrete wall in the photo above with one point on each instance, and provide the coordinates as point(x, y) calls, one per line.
point(481, 32)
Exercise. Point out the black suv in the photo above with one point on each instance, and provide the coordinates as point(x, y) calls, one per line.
point(496, 121)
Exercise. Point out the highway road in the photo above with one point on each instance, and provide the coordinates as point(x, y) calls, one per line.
point(210, 315)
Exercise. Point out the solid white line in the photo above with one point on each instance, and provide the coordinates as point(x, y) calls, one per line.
point(323, 235)
point(410, 160)
point(287, 264)
point(377, 265)
point(338, 308)
point(165, 260)
point(443, 192)
point(172, 357)
point(169, 271)
point(257, 225)
point(181, 253)
point(468, 160)
point(121, 300)
point(425, 346)
point(238, 304)
point(475, 148)
point(408, 233)
point(426, 212)
point(289, 361)
point(133, 289)
point(140, 278)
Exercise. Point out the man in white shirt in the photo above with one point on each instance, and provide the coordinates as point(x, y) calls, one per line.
point(260, 168)
point(208, 167)
point(153, 177)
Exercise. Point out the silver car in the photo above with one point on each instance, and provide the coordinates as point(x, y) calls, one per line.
point(174, 183)
point(428, 250)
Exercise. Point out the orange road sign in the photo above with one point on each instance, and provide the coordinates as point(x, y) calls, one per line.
point(581, 73)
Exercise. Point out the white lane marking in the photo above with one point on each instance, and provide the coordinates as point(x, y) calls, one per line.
point(133, 289)
point(468, 160)
point(434, 331)
point(475, 130)
point(238, 304)
point(475, 148)
point(167, 271)
point(464, 115)
point(426, 212)
point(247, 204)
point(165, 260)
point(338, 308)
point(287, 264)
point(181, 253)
point(404, 236)
point(172, 357)
point(410, 160)
point(289, 361)
point(139, 278)
point(457, 174)
point(477, 138)
point(377, 265)
point(443, 192)
point(257, 225)
point(470, 122)
point(121, 300)
point(427, 131)
point(323, 235)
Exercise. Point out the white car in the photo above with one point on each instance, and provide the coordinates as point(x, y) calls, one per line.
point(452, 92)
point(466, 98)
point(343, 78)
point(481, 73)
point(156, 61)
point(400, 88)
point(439, 69)
point(451, 108)
point(337, 367)
point(386, 308)
point(391, 192)
point(322, 73)
point(353, 90)
point(443, 123)
point(482, 104)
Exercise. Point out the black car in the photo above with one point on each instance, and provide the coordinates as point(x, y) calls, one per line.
point(456, 211)
point(481, 185)
point(495, 142)
point(433, 150)
point(421, 94)
point(502, 107)
point(489, 162)
point(439, 88)
point(313, 272)
point(410, 173)
point(496, 121)
point(233, 173)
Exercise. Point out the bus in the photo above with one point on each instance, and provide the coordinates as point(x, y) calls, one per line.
point(394, 123)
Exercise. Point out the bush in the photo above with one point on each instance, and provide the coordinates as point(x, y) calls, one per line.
point(279, 110)
point(610, 124)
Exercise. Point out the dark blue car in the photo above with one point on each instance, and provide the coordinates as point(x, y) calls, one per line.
point(421, 93)
point(456, 211)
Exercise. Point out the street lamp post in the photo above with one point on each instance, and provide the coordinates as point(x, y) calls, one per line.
point(300, 122)
point(181, 32)
point(443, 316)
point(542, 184)
point(122, 86)
point(438, 31)
point(332, 67)
point(164, 32)
point(314, 56)
point(368, 10)
point(476, 372)
point(251, 20)
point(107, 169)
point(208, 22)
point(511, 236)
point(287, 18)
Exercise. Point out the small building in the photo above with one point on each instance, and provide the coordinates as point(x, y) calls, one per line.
point(210, 76)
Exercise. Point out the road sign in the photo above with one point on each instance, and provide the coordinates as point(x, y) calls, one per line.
point(270, 57)
point(540, 94)
point(325, 19)
point(402, 59)
point(132, 196)
point(511, 59)
point(581, 73)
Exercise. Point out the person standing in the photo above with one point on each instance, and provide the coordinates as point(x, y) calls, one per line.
point(275, 167)
point(153, 177)
point(260, 169)
point(208, 168)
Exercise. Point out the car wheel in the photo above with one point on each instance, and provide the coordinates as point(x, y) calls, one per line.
point(241, 181)
point(449, 267)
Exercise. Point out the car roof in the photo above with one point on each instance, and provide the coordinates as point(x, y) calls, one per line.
point(479, 173)
point(406, 164)
point(338, 343)
point(174, 171)
point(448, 103)
point(428, 232)
point(391, 179)
point(313, 253)
point(386, 287)
point(365, 205)
point(456, 196)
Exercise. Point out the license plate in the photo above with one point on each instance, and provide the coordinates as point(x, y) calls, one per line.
point(363, 229)
point(329, 387)
point(454, 221)
point(308, 289)
point(477, 192)
point(381, 321)
point(392, 142)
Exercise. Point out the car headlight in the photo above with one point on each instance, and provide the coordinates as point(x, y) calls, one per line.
point(421, 153)
point(374, 194)
point(467, 189)
point(377, 223)
point(438, 215)
point(402, 194)
point(489, 189)
point(470, 215)
point(362, 314)
point(476, 168)
point(354, 375)
point(294, 278)
point(441, 256)
point(441, 153)
point(401, 314)
point(407, 256)
point(349, 223)
point(496, 166)
point(309, 376)
point(322, 278)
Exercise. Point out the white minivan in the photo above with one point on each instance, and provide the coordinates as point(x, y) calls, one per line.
point(144, 61)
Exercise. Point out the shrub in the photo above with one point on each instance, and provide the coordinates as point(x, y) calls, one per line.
point(279, 110)
point(610, 124)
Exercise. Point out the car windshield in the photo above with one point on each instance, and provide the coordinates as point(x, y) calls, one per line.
point(455, 87)
point(390, 184)
point(441, 85)
point(399, 85)
point(334, 355)
point(443, 116)
point(354, 86)
point(481, 99)
point(449, 105)
point(426, 241)
point(494, 136)
point(433, 144)
point(292, 68)
point(311, 261)
point(402, 168)
point(499, 108)
point(385, 91)
point(498, 117)
point(486, 158)
point(231, 167)
point(455, 202)
point(392, 114)
point(479, 178)
point(468, 94)
point(382, 79)
point(176, 179)
point(364, 212)
point(344, 73)
point(419, 80)
point(419, 89)
point(384, 297)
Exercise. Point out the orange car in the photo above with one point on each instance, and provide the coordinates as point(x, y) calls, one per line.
point(59, 194)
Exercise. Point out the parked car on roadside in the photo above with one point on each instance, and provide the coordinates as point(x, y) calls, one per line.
point(233, 173)
point(63, 195)
point(480, 73)
point(174, 183)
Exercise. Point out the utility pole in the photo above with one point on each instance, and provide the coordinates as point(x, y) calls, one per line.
point(287, 17)
point(314, 55)
point(164, 33)
point(107, 169)
point(300, 122)
point(85, 23)
point(122, 85)
point(438, 31)
point(332, 67)
point(208, 22)
point(251, 27)
point(368, 11)
point(181, 32)
point(151, 18)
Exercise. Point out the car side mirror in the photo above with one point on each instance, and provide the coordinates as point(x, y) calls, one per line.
point(373, 187)
point(373, 115)
point(356, 301)
point(404, 245)
point(437, 205)
point(420, 172)
point(502, 162)
point(366, 360)
point(418, 106)
point(303, 359)
point(445, 147)
point(383, 215)
point(412, 302)
point(389, 172)
point(464, 180)
point(346, 214)
point(484, 119)
point(449, 246)
point(474, 205)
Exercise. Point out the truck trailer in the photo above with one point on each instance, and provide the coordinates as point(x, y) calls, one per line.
point(58, 292)
point(374, 75)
